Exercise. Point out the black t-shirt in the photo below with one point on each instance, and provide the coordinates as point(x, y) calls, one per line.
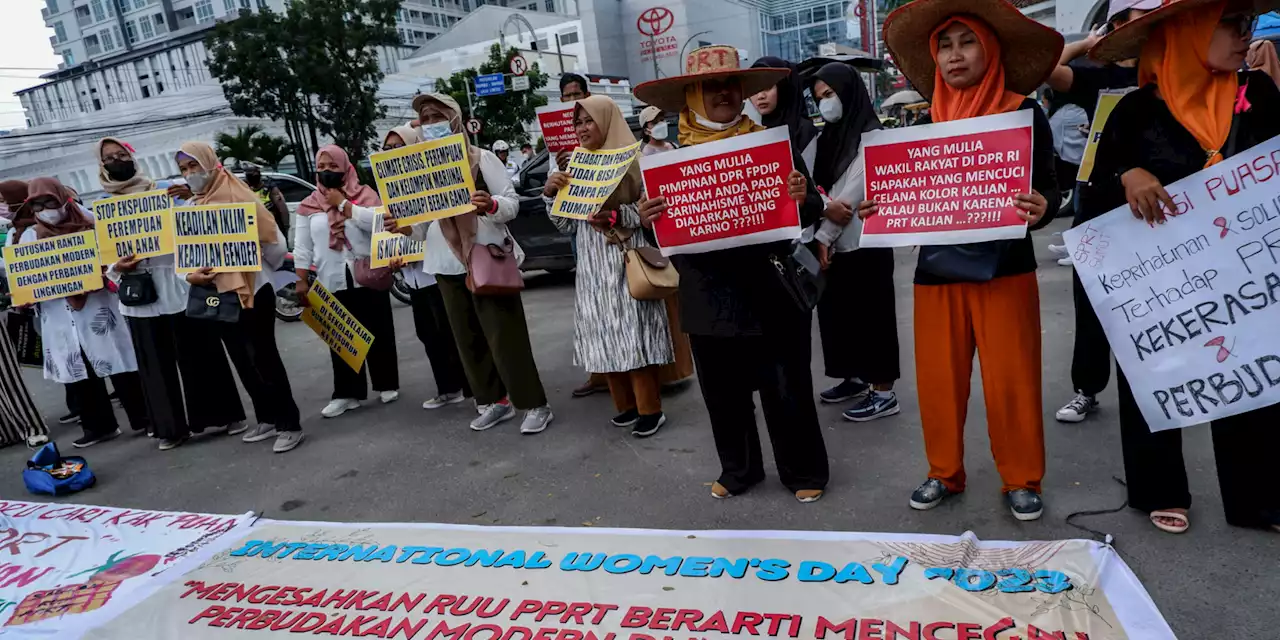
point(1089, 79)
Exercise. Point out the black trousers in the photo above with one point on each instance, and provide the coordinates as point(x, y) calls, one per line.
point(373, 309)
point(431, 322)
point(1091, 352)
point(207, 382)
point(858, 318)
point(730, 371)
point(1244, 448)
point(97, 415)
point(186, 381)
point(251, 344)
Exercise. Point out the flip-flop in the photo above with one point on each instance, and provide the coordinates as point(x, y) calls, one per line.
point(1172, 515)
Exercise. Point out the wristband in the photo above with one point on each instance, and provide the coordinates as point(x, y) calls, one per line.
point(493, 206)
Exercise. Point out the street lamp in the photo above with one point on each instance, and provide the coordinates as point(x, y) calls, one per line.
point(686, 43)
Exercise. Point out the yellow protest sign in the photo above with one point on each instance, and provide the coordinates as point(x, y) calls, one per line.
point(425, 181)
point(387, 245)
point(53, 268)
point(221, 236)
point(593, 176)
point(1107, 101)
point(337, 327)
point(139, 224)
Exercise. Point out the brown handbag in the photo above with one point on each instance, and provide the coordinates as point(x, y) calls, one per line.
point(650, 275)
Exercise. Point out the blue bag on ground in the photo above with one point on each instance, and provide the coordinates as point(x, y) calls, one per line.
point(48, 473)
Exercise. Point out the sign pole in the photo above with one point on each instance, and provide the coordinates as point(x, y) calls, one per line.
point(471, 111)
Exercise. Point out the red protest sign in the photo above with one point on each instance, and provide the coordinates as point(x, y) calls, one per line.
point(948, 183)
point(556, 121)
point(729, 193)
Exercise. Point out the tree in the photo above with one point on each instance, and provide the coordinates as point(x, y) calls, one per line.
point(503, 116)
point(271, 150)
point(238, 145)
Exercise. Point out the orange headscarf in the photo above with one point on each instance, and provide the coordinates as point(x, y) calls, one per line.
point(1175, 58)
point(986, 98)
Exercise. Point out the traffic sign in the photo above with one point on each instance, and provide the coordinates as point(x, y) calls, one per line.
point(520, 83)
point(490, 85)
point(474, 126)
point(519, 65)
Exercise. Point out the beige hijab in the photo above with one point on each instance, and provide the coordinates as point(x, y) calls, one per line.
point(459, 231)
point(139, 183)
point(617, 135)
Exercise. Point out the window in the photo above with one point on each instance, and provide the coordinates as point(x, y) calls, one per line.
point(544, 44)
point(819, 14)
point(161, 25)
point(551, 6)
point(52, 6)
point(59, 32)
point(148, 28)
point(123, 6)
point(569, 38)
point(107, 43)
point(131, 31)
point(204, 11)
point(68, 58)
point(228, 5)
point(98, 14)
point(139, 4)
point(91, 45)
point(244, 4)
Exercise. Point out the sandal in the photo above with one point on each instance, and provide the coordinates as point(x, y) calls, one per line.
point(719, 492)
point(1171, 515)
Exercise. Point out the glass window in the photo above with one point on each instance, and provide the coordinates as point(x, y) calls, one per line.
point(836, 9)
point(775, 23)
point(228, 5)
point(204, 10)
point(819, 14)
point(107, 43)
point(59, 32)
point(569, 38)
point(806, 17)
point(98, 14)
point(131, 31)
point(123, 5)
point(161, 25)
point(551, 6)
point(789, 19)
point(52, 5)
point(68, 58)
point(139, 4)
point(544, 44)
point(148, 28)
point(244, 4)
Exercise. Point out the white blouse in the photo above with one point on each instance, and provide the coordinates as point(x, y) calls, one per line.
point(311, 245)
point(492, 228)
point(171, 288)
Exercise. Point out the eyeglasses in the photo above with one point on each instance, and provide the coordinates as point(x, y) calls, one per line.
point(1243, 23)
point(43, 205)
point(117, 157)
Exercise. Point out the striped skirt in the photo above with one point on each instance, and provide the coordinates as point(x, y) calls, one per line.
point(19, 418)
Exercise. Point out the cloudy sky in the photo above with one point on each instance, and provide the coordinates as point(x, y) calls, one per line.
point(24, 54)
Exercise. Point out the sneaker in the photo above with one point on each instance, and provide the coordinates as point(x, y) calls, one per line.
point(443, 400)
point(213, 431)
point(387, 397)
point(70, 418)
point(627, 418)
point(89, 441)
point(38, 440)
point(481, 408)
point(171, 443)
point(259, 432)
point(843, 392)
point(648, 425)
point(874, 405)
point(1078, 409)
point(1058, 250)
point(589, 388)
point(1065, 262)
point(536, 420)
point(236, 428)
point(929, 495)
point(338, 407)
point(1025, 504)
point(493, 414)
point(288, 441)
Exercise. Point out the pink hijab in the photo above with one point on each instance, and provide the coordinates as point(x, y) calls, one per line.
point(355, 192)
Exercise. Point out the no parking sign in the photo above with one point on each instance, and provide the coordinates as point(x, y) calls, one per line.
point(474, 126)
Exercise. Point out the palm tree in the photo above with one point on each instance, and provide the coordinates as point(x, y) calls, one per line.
point(238, 145)
point(270, 150)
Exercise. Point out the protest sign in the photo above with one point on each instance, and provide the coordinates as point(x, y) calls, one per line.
point(387, 245)
point(426, 181)
point(728, 193)
point(556, 121)
point(221, 236)
point(336, 326)
point(448, 582)
point(53, 268)
point(593, 177)
point(139, 225)
point(70, 565)
point(948, 183)
point(1107, 101)
point(1190, 306)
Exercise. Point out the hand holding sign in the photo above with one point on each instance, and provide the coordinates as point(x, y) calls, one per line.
point(201, 277)
point(127, 264)
point(1148, 199)
point(1033, 204)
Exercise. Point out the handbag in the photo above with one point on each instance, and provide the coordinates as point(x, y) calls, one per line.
point(137, 288)
point(379, 279)
point(27, 347)
point(977, 262)
point(492, 269)
point(650, 275)
point(48, 473)
point(800, 276)
point(205, 303)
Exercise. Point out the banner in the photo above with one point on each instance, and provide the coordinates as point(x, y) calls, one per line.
point(728, 193)
point(221, 236)
point(444, 582)
point(53, 268)
point(388, 245)
point(948, 183)
point(139, 225)
point(593, 177)
point(426, 181)
point(1190, 306)
point(67, 565)
point(558, 132)
point(1107, 101)
point(336, 326)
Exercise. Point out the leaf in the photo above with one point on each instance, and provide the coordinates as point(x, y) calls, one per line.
point(103, 368)
point(50, 367)
point(104, 321)
point(1216, 342)
point(75, 365)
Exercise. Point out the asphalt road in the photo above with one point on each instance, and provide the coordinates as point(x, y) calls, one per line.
point(401, 463)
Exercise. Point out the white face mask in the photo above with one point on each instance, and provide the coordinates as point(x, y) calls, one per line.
point(659, 131)
point(436, 131)
point(5, 212)
point(52, 216)
point(198, 181)
point(717, 126)
point(831, 109)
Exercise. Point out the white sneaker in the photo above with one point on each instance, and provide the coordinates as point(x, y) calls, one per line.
point(288, 441)
point(1078, 409)
point(537, 420)
point(443, 400)
point(237, 428)
point(338, 407)
point(387, 397)
point(493, 414)
point(1058, 250)
point(1065, 262)
point(260, 432)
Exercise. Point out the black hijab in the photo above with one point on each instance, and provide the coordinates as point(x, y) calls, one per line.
point(791, 110)
point(840, 142)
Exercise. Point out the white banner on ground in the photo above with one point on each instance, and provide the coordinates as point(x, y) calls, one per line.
point(448, 582)
point(1191, 306)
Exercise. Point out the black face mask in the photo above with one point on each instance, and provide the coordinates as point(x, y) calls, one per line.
point(253, 179)
point(331, 179)
point(121, 170)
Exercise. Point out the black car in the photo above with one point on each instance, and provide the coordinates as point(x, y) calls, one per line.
point(545, 247)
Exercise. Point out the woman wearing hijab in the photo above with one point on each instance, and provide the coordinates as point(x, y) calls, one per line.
point(20, 420)
point(491, 331)
point(84, 340)
point(335, 230)
point(186, 380)
point(1192, 111)
point(251, 340)
point(1262, 57)
point(983, 58)
point(614, 334)
point(783, 104)
point(748, 334)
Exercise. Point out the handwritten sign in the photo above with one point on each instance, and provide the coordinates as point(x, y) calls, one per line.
point(139, 224)
point(337, 327)
point(593, 177)
point(1191, 306)
point(948, 183)
point(728, 193)
point(221, 236)
point(1107, 101)
point(556, 121)
point(387, 246)
point(53, 268)
point(426, 181)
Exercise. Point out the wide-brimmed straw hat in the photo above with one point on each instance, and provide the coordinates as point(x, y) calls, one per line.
point(1029, 50)
point(1126, 42)
point(702, 64)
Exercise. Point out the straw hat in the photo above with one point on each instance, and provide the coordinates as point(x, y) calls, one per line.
point(702, 64)
point(1126, 42)
point(1029, 50)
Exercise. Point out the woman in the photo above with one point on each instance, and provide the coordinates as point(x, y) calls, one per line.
point(983, 58)
point(334, 231)
point(654, 123)
point(1262, 57)
point(491, 331)
point(614, 334)
point(20, 420)
point(747, 332)
point(859, 298)
point(1192, 111)
point(783, 105)
point(178, 358)
point(250, 340)
point(430, 320)
point(83, 338)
